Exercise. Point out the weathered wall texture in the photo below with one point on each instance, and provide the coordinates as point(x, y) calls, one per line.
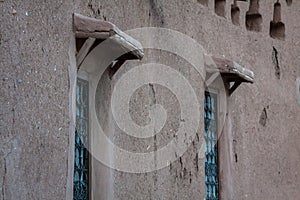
point(34, 43)
point(183, 178)
point(34, 97)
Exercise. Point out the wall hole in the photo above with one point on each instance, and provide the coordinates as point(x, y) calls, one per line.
point(235, 13)
point(253, 17)
point(263, 117)
point(220, 7)
point(277, 28)
point(289, 2)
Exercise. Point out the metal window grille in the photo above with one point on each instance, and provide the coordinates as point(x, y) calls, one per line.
point(81, 160)
point(211, 148)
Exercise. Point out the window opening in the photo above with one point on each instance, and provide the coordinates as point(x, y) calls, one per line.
point(81, 161)
point(211, 147)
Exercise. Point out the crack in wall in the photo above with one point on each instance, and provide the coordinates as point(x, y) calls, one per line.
point(276, 62)
point(152, 94)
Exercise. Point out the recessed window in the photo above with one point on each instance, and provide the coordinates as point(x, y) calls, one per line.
point(211, 147)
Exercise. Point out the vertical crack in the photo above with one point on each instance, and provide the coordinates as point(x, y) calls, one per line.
point(152, 94)
point(275, 62)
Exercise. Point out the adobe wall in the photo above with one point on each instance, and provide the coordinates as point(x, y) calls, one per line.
point(36, 42)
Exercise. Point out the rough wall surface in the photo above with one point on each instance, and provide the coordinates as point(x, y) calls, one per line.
point(34, 97)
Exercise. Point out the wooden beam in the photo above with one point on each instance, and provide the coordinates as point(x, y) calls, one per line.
point(87, 27)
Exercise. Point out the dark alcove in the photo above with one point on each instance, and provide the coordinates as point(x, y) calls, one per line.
point(277, 28)
point(220, 7)
point(253, 17)
point(235, 13)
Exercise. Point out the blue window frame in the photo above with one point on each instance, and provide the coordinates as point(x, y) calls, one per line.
point(81, 158)
point(211, 146)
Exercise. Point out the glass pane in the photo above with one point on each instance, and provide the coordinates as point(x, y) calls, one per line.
point(81, 157)
point(211, 149)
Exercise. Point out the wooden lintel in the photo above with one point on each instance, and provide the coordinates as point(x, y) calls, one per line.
point(228, 68)
point(87, 27)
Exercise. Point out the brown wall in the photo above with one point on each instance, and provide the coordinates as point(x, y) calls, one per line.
point(36, 41)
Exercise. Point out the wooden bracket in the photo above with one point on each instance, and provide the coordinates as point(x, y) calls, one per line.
point(232, 88)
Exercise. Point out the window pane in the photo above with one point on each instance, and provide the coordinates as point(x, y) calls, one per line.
point(81, 157)
point(211, 148)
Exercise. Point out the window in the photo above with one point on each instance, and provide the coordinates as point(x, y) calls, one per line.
point(98, 45)
point(211, 147)
point(81, 161)
point(223, 77)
